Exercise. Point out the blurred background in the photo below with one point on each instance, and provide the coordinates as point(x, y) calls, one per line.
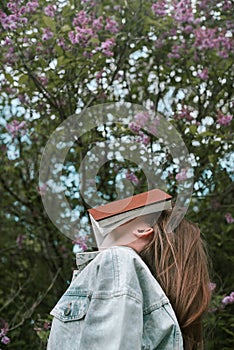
point(61, 57)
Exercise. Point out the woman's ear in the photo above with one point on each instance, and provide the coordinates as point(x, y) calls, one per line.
point(144, 232)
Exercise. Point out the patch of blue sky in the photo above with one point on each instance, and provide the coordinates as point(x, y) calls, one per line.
point(92, 85)
point(56, 187)
point(227, 163)
point(141, 53)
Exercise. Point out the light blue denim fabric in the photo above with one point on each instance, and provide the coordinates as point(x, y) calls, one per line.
point(114, 303)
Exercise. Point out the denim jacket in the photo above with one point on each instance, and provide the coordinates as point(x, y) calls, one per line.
point(114, 303)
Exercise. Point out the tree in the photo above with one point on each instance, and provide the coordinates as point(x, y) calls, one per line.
point(62, 57)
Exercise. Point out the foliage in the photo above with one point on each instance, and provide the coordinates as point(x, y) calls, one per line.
point(60, 57)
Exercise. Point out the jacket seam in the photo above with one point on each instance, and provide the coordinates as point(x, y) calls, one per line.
point(78, 293)
point(116, 294)
point(115, 262)
point(155, 306)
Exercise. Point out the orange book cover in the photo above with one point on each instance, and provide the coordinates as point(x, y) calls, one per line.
point(127, 204)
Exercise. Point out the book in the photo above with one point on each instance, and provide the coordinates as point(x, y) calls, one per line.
point(107, 217)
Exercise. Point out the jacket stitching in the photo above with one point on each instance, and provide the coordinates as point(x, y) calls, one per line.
point(111, 295)
point(155, 306)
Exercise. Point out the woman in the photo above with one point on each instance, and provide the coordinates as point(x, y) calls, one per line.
point(148, 294)
point(178, 261)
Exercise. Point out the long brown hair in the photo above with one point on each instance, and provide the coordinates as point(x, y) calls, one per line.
point(178, 260)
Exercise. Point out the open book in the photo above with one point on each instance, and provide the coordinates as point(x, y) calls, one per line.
point(106, 218)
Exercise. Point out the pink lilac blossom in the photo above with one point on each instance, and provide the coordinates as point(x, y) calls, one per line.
point(107, 46)
point(39, 48)
point(47, 34)
point(46, 325)
point(9, 90)
point(188, 29)
point(72, 37)
point(212, 286)
point(171, 32)
point(84, 34)
point(132, 177)
point(50, 10)
point(226, 46)
point(223, 53)
point(81, 19)
point(87, 54)
point(205, 38)
point(159, 8)
point(10, 56)
point(81, 36)
point(16, 127)
point(227, 5)
point(141, 118)
point(22, 10)
point(140, 121)
point(99, 75)
point(12, 6)
point(15, 19)
point(177, 51)
point(5, 340)
point(42, 189)
point(43, 80)
point(7, 41)
point(81, 242)
point(97, 24)
point(229, 299)
point(203, 74)
point(9, 22)
point(112, 26)
point(159, 43)
point(134, 127)
point(224, 119)
point(185, 114)
point(86, 29)
point(229, 218)
point(183, 11)
point(41, 107)
point(23, 98)
point(4, 331)
point(209, 38)
point(182, 175)
point(143, 138)
point(23, 20)
point(62, 44)
point(32, 6)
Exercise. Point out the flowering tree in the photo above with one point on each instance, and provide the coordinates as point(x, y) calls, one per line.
point(61, 57)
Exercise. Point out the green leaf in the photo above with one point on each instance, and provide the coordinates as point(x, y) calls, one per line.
point(193, 129)
point(49, 22)
point(94, 40)
point(65, 28)
point(23, 79)
point(206, 133)
point(9, 77)
point(62, 61)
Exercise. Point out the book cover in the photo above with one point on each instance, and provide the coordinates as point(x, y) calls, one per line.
point(107, 217)
point(127, 204)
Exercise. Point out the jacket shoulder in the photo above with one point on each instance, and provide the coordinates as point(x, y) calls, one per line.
point(112, 271)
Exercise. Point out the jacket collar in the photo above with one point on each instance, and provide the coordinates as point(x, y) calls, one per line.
point(85, 258)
